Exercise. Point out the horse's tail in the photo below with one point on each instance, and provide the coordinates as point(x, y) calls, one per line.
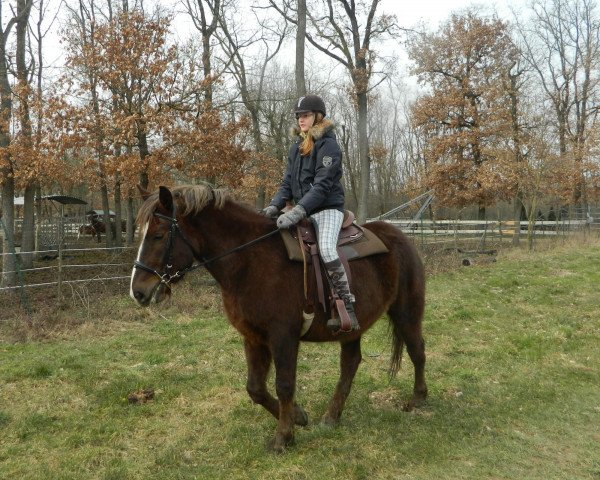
point(397, 348)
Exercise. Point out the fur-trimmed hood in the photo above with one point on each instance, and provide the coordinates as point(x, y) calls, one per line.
point(316, 131)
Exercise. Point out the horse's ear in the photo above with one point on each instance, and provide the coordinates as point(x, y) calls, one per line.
point(166, 198)
point(143, 192)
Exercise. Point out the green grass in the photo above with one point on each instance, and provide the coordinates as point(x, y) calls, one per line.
point(513, 374)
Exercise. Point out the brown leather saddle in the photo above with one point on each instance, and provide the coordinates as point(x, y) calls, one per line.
point(354, 242)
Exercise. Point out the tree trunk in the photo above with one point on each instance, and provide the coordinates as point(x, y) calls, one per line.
point(481, 212)
point(130, 219)
point(28, 236)
point(349, 175)
point(118, 238)
point(8, 234)
point(365, 163)
point(207, 32)
point(300, 49)
point(6, 170)
point(198, 15)
point(144, 153)
point(258, 143)
point(517, 208)
point(513, 91)
point(208, 96)
point(106, 217)
point(130, 233)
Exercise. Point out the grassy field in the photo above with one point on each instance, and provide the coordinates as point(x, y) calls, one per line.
point(513, 373)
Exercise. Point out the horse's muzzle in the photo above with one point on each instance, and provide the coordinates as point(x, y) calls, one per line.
point(143, 297)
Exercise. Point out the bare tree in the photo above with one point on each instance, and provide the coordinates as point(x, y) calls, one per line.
point(198, 11)
point(278, 88)
point(384, 147)
point(562, 45)
point(271, 36)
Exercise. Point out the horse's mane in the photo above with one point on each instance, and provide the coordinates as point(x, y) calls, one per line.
point(190, 199)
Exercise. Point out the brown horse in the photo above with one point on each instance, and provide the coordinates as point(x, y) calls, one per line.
point(97, 227)
point(263, 292)
point(86, 230)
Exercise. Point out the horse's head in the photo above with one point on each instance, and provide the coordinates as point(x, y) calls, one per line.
point(165, 253)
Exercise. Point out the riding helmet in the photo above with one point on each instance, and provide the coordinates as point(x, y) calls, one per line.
point(310, 103)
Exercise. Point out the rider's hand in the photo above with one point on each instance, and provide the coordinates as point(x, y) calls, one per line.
point(271, 211)
point(292, 217)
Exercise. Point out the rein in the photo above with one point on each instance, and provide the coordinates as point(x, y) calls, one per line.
point(166, 277)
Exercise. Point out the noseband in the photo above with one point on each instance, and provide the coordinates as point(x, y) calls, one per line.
point(166, 278)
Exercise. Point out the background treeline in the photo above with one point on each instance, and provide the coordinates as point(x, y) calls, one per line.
point(486, 109)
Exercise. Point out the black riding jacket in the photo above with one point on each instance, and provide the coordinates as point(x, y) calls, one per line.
point(314, 181)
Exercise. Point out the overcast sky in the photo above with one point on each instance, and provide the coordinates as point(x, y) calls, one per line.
point(432, 12)
point(409, 13)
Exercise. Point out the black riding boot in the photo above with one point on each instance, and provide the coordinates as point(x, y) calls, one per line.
point(339, 279)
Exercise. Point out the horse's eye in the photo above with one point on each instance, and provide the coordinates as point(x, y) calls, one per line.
point(158, 236)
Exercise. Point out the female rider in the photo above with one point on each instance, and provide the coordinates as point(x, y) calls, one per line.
point(313, 181)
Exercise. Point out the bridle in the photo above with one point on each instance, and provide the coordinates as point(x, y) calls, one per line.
point(167, 277)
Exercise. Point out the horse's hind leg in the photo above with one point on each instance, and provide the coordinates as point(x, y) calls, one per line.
point(407, 330)
point(350, 359)
point(258, 358)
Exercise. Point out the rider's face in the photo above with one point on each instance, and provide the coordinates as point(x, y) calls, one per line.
point(306, 120)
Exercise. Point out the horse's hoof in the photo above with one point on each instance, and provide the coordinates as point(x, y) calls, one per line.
point(301, 417)
point(415, 402)
point(329, 421)
point(275, 448)
point(278, 443)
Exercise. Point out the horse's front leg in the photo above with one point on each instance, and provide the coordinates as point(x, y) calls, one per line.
point(258, 359)
point(285, 355)
point(350, 359)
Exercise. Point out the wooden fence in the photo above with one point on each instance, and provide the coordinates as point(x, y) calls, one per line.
point(503, 228)
point(81, 261)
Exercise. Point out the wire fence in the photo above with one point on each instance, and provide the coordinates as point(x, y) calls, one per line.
point(62, 267)
point(78, 262)
point(73, 261)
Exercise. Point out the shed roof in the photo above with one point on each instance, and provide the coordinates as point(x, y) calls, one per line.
point(65, 199)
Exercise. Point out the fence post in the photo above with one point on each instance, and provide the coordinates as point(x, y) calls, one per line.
point(60, 251)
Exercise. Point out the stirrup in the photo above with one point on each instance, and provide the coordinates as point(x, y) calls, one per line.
point(346, 320)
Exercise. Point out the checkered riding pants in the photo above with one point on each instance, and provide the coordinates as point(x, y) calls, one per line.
point(328, 224)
